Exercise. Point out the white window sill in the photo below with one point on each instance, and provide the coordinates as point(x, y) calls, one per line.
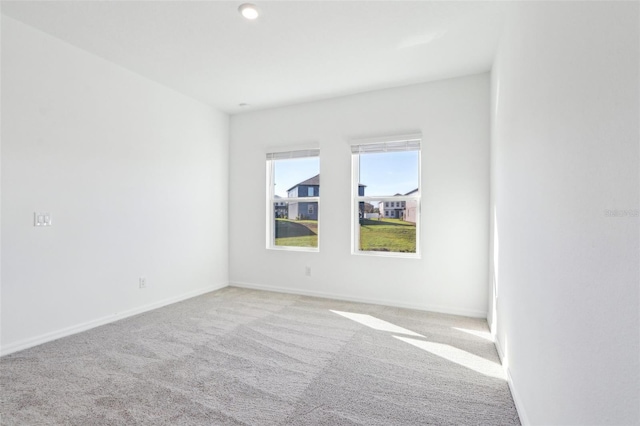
point(291, 248)
point(396, 255)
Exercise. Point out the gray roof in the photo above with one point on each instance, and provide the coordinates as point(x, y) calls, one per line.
point(314, 181)
point(310, 182)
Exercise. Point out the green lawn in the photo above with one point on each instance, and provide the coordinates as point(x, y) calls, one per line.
point(296, 233)
point(392, 235)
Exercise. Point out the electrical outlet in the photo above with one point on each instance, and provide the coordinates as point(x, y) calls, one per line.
point(41, 219)
point(142, 282)
point(307, 271)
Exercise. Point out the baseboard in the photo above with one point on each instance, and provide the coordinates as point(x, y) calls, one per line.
point(326, 295)
point(54, 335)
point(524, 420)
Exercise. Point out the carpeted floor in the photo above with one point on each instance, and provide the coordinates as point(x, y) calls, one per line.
point(237, 356)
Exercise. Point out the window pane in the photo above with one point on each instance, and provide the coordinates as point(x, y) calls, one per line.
point(299, 227)
point(391, 233)
point(290, 176)
point(389, 173)
point(296, 223)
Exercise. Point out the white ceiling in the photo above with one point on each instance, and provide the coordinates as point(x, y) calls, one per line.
point(295, 52)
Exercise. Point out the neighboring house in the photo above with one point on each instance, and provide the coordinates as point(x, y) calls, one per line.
point(281, 209)
point(302, 210)
point(392, 209)
point(406, 211)
point(363, 207)
point(311, 188)
point(411, 208)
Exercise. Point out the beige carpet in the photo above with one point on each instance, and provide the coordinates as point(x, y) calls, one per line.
point(244, 357)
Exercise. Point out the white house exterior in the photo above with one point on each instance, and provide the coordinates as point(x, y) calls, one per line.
point(281, 209)
point(411, 208)
point(405, 210)
point(392, 209)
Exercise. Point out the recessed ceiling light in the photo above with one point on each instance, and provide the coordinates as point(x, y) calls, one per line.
point(249, 11)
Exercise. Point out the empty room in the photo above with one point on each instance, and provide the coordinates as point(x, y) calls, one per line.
point(320, 213)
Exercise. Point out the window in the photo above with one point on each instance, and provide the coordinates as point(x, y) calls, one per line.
point(396, 233)
point(294, 175)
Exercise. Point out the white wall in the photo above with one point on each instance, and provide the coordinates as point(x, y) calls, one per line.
point(453, 116)
point(564, 150)
point(134, 174)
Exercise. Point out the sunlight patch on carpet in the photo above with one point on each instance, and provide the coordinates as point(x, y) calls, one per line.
point(376, 323)
point(459, 357)
point(481, 334)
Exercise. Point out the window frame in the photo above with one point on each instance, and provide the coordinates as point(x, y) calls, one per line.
point(278, 154)
point(387, 200)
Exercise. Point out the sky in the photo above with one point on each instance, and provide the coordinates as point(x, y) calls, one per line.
point(291, 172)
point(387, 173)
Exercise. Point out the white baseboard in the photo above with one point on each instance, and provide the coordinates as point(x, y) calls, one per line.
point(496, 342)
point(524, 420)
point(54, 335)
point(325, 295)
